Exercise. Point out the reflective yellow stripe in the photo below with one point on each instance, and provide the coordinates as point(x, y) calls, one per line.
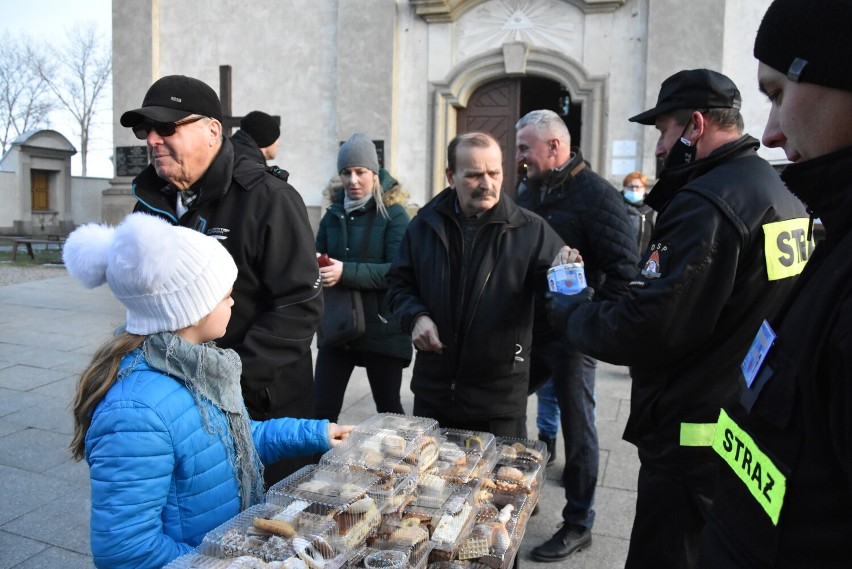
point(762, 478)
point(697, 434)
point(786, 247)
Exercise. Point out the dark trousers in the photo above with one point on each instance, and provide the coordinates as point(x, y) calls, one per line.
point(670, 514)
point(515, 427)
point(333, 370)
point(574, 385)
point(265, 404)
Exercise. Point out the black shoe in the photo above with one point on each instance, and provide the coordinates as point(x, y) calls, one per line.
point(551, 448)
point(563, 543)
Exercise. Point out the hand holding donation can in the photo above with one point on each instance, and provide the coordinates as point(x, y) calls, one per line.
point(568, 278)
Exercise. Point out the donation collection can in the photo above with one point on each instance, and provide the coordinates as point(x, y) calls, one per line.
point(569, 278)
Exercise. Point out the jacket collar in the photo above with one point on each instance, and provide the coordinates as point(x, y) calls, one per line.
point(824, 185)
point(248, 146)
point(557, 177)
point(673, 179)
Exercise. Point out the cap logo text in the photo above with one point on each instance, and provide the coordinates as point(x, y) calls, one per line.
point(175, 99)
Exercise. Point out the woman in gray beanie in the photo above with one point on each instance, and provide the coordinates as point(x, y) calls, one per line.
point(360, 233)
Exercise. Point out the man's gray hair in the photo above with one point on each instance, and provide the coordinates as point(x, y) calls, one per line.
point(545, 120)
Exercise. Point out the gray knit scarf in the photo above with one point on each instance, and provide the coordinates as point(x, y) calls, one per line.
point(351, 205)
point(213, 375)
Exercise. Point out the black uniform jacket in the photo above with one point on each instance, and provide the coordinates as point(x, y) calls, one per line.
point(795, 421)
point(262, 221)
point(706, 283)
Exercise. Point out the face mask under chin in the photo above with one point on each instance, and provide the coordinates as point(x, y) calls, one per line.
point(683, 151)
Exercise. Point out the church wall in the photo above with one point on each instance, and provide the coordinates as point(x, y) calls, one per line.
point(9, 205)
point(411, 122)
point(333, 67)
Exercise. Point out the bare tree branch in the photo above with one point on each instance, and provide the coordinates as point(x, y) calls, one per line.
point(77, 74)
point(25, 101)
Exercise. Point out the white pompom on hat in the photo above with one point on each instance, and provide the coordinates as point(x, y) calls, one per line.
point(167, 277)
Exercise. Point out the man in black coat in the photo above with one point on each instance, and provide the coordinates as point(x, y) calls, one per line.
point(196, 181)
point(719, 263)
point(789, 504)
point(469, 272)
point(588, 213)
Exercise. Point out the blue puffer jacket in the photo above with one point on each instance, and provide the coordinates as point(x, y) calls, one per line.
point(160, 481)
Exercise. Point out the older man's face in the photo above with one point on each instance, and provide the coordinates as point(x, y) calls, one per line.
point(184, 157)
point(478, 177)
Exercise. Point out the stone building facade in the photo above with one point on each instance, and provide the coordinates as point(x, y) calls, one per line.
point(413, 73)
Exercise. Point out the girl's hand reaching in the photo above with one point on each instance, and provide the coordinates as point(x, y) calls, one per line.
point(338, 433)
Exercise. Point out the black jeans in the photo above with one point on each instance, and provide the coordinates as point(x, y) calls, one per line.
point(333, 370)
point(671, 510)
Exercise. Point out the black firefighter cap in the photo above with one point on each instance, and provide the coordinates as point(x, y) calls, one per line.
point(692, 89)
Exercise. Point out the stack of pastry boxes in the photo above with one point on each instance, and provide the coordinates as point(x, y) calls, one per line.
point(400, 493)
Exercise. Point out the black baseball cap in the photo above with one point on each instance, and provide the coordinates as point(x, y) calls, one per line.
point(693, 89)
point(172, 98)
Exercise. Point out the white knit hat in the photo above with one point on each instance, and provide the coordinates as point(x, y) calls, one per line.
point(167, 277)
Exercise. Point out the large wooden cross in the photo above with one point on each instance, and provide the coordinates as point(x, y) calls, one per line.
point(228, 121)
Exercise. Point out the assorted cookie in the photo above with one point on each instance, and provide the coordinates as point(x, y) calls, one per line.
point(400, 493)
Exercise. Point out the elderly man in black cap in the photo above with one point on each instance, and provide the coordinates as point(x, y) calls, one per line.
point(785, 492)
point(727, 246)
point(194, 181)
point(258, 138)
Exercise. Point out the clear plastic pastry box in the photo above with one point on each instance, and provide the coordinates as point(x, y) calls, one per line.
point(271, 532)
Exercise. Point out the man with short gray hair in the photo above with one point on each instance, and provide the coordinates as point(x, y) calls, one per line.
point(588, 213)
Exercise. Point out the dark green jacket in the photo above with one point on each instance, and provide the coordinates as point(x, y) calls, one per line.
point(341, 235)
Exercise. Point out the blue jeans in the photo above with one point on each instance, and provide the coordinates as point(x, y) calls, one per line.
point(574, 386)
point(547, 416)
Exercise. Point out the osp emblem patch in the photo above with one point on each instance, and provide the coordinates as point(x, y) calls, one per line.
point(653, 266)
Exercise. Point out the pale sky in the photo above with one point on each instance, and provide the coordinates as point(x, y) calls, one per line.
point(45, 19)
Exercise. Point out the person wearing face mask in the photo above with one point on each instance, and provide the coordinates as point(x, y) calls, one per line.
point(727, 246)
point(360, 232)
point(642, 216)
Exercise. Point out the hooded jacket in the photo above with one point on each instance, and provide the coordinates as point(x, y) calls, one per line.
point(262, 222)
point(160, 480)
point(797, 411)
point(706, 283)
point(342, 236)
point(483, 371)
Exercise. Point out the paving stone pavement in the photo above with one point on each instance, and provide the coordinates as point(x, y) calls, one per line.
point(49, 329)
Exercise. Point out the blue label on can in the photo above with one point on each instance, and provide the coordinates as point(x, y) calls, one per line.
point(566, 279)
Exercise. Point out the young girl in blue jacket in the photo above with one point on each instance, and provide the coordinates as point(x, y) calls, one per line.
point(158, 413)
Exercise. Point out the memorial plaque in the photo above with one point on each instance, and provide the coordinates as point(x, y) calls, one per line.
point(130, 160)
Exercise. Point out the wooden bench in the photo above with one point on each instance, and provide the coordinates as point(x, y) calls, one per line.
point(28, 242)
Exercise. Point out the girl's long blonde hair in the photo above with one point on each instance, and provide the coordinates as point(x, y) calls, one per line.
point(94, 383)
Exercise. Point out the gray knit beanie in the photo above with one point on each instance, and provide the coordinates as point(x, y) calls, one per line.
point(359, 150)
point(809, 42)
